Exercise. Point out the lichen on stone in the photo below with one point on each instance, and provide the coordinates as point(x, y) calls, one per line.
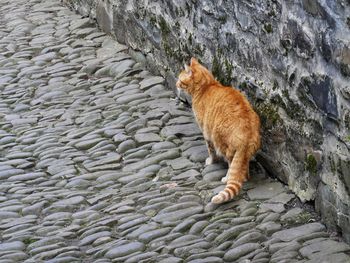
point(222, 19)
point(268, 28)
point(347, 138)
point(164, 28)
point(332, 164)
point(311, 164)
point(153, 20)
point(222, 69)
point(269, 115)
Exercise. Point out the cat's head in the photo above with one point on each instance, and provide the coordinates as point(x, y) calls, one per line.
point(194, 77)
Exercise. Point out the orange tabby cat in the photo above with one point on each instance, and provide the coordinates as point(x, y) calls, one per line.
point(230, 126)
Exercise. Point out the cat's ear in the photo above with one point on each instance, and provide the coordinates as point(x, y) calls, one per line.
point(194, 62)
point(188, 69)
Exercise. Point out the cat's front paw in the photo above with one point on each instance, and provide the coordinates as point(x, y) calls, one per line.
point(209, 160)
point(224, 179)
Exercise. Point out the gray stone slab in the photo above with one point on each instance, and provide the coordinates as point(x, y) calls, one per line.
point(190, 174)
point(333, 258)
point(299, 231)
point(291, 214)
point(124, 250)
point(322, 248)
point(172, 154)
point(27, 176)
point(153, 234)
point(265, 191)
point(147, 137)
point(15, 245)
point(283, 198)
point(180, 214)
point(215, 175)
point(91, 238)
point(149, 82)
point(87, 144)
point(163, 146)
point(180, 163)
point(240, 251)
point(275, 207)
point(184, 130)
point(125, 99)
point(6, 173)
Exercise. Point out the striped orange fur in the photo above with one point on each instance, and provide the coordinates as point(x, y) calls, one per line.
point(229, 124)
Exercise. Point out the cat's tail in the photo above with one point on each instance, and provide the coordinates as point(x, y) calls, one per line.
point(236, 175)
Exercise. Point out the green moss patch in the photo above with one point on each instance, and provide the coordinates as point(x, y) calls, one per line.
point(311, 164)
point(164, 28)
point(268, 28)
point(222, 69)
point(268, 113)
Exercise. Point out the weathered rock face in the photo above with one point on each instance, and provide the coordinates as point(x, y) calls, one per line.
point(291, 59)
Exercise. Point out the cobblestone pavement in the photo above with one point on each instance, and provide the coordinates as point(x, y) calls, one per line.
point(99, 164)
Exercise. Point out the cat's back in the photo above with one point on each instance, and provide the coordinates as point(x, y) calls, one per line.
point(223, 108)
point(228, 100)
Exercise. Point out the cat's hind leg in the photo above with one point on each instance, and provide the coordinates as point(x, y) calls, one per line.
point(229, 160)
point(213, 158)
point(225, 178)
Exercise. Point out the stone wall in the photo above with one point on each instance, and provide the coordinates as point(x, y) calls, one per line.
point(291, 58)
